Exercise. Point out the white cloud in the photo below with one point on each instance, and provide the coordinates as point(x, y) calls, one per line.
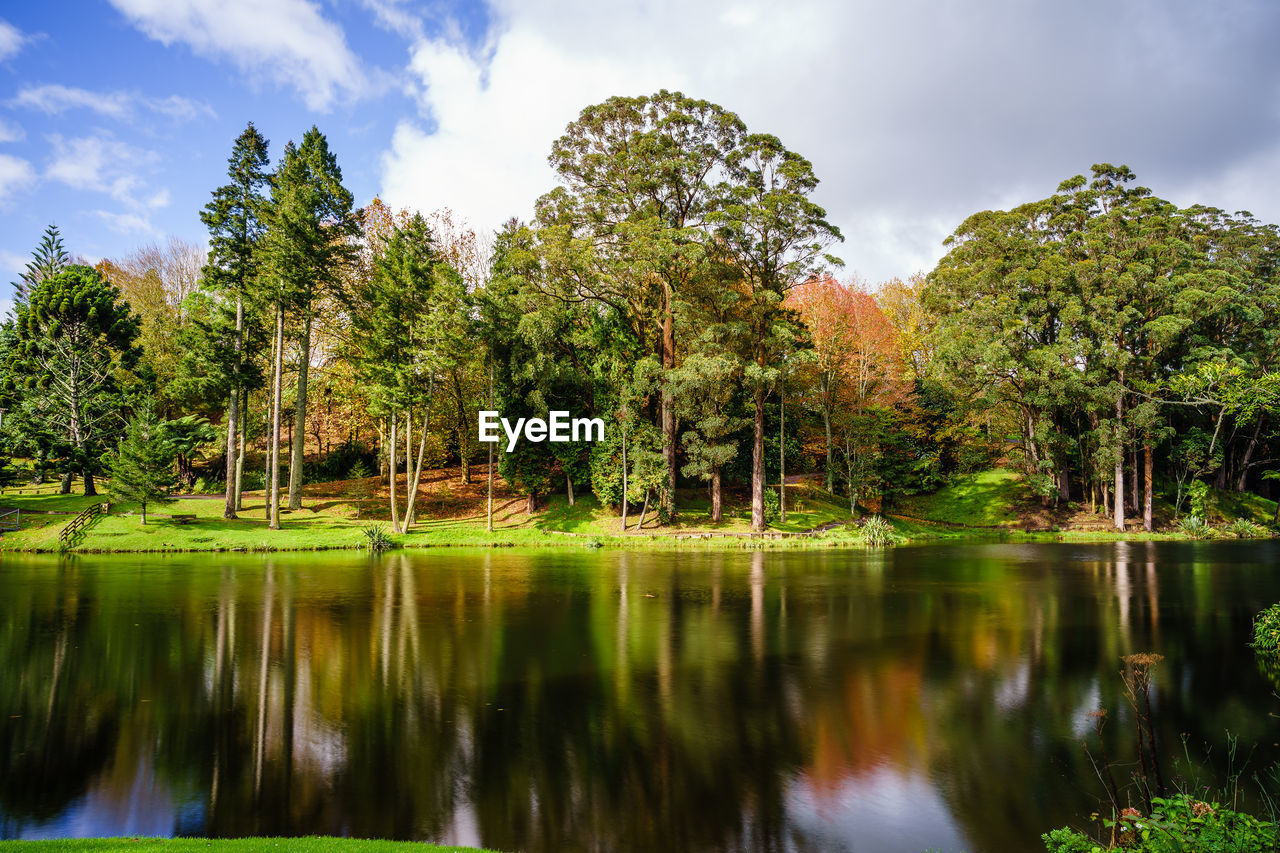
point(103, 164)
point(289, 41)
point(126, 223)
point(392, 15)
point(55, 99)
point(12, 264)
point(11, 40)
point(15, 174)
point(914, 114)
point(11, 132)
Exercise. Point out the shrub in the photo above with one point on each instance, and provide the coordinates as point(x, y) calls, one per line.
point(772, 506)
point(1195, 527)
point(1243, 528)
point(878, 533)
point(1176, 824)
point(1266, 630)
point(377, 538)
point(1198, 497)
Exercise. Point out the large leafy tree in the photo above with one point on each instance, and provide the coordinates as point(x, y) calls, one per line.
point(74, 338)
point(309, 242)
point(629, 227)
point(777, 236)
point(234, 217)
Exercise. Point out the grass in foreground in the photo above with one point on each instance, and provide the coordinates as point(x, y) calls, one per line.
point(230, 845)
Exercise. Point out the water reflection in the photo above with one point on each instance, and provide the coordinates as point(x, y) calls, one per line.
point(927, 697)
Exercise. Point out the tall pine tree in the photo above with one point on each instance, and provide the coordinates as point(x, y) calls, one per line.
point(234, 220)
point(310, 240)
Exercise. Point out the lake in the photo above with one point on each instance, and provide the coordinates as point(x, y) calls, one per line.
point(921, 697)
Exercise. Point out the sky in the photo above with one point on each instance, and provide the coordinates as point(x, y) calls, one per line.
point(117, 116)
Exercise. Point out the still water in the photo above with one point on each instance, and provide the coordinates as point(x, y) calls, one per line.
point(924, 697)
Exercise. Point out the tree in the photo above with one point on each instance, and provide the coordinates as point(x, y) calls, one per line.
point(776, 236)
point(48, 259)
point(236, 226)
point(142, 464)
point(311, 226)
point(72, 338)
point(630, 227)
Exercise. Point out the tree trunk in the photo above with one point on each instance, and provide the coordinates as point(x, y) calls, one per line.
point(1148, 489)
point(391, 465)
point(64, 487)
point(410, 514)
point(1133, 473)
point(1119, 495)
point(489, 499)
point(1064, 484)
point(624, 471)
point(757, 465)
point(826, 425)
point(717, 510)
point(464, 458)
point(89, 489)
point(668, 401)
point(240, 445)
point(531, 504)
point(782, 450)
point(569, 482)
point(233, 412)
point(300, 420)
point(1248, 454)
point(273, 496)
point(144, 512)
point(233, 425)
point(644, 510)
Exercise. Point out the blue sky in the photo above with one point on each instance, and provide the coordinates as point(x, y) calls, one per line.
point(116, 116)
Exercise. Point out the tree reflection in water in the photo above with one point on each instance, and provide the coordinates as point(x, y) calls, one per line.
point(556, 701)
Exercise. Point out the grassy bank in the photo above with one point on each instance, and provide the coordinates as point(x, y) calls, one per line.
point(227, 845)
point(987, 504)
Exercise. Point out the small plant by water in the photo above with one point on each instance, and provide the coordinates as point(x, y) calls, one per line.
point(1244, 528)
point(878, 533)
point(1266, 630)
point(1176, 824)
point(377, 538)
point(1195, 527)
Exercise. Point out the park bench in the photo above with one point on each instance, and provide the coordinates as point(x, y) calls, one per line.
point(183, 519)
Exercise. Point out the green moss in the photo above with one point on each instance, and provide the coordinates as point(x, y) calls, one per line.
point(984, 499)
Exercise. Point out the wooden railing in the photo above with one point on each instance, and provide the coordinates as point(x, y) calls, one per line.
point(11, 519)
point(79, 523)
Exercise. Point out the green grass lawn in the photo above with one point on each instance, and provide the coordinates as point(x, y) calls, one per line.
point(984, 499)
point(229, 845)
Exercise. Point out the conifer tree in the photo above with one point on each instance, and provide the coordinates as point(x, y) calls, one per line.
point(309, 242)
point(142, 465)
point(234, 220)
point(48, 259)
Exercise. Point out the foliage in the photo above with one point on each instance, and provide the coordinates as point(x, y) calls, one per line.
point(1244, 528)
point(49, 258)
point(1266, 630)
point(73, 342)
point(377, 538)
point(141, 466)
point(772, 506)
point(876, 532)
point(1198, 498)
point(1177, 824)
point(1195, 527)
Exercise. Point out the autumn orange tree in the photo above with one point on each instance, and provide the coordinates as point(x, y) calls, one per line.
point(854, 368)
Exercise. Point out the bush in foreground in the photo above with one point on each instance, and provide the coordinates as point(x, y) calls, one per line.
point(1178, 824)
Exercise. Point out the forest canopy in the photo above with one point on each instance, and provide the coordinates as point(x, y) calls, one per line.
point(678, 284)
